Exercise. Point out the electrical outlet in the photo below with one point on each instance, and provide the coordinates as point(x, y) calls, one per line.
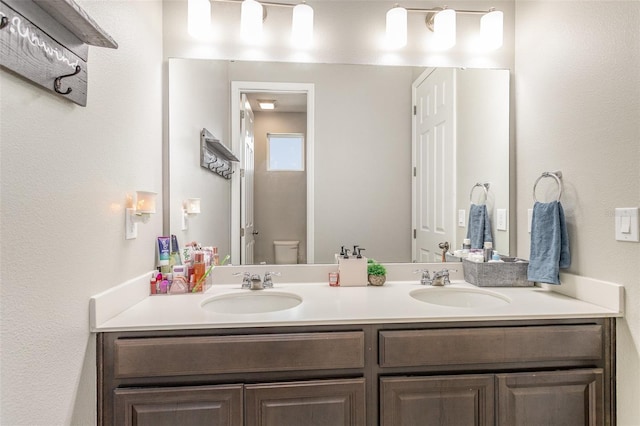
point(501, 224)
point(627, 224)
point(461, 218)
point(529, 219)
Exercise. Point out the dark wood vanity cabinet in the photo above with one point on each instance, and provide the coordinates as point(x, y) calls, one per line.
point(552, 372)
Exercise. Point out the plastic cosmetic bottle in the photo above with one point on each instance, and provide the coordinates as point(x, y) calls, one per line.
point(488, 250)
point(216, 257)
point(198, 267)
point(153, 284)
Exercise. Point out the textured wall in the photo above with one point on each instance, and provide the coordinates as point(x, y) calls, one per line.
point(578, 110)
point(65, 172)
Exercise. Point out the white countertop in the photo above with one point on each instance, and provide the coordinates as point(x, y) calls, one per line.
point(325, 305)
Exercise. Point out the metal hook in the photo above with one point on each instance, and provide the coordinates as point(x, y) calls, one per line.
point(4, 21)
point(58, 81)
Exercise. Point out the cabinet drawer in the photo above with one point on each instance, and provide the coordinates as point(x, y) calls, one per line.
point(179, 356)
point(466, 346)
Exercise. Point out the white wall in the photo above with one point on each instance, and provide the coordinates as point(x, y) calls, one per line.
point(66, 171)
point(578, 110)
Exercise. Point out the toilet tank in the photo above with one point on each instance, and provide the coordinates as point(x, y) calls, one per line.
point(286, 252)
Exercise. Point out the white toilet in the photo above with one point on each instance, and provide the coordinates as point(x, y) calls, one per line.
point(286, 252)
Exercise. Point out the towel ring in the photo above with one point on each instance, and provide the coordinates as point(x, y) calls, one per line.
point(556, 175)
point(484, 186)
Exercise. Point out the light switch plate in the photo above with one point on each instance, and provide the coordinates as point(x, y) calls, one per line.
point(461, 218)
point(627, 224)
point(501, 224)
point(529, 219)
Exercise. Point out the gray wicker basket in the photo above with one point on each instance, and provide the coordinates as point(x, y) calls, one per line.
point(510, 273)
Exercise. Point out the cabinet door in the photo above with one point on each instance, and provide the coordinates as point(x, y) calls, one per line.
point(440, 400)
point(566, 398)
point(312, 403)
point(193, 405)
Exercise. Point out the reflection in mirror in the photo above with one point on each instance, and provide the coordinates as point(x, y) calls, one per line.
point(362, 158)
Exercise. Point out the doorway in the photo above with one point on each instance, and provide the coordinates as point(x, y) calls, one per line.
point(273, 202)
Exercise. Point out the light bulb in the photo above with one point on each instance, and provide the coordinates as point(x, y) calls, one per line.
point(397, 27)
point(199, 18)
point(302, 25)
point(491, 29)
point(251, 21)
point(444, 27)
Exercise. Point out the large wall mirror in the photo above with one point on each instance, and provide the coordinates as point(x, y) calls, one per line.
point(359, 168)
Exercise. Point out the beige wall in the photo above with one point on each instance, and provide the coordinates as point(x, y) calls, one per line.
point(280, 198)
point(198, 98)
point(66, 172)
point(578, 110)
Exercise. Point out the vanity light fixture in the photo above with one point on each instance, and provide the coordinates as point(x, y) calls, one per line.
point(142, 207)
point(199, 18)
point(267, 104)
point(442, 22)
point(190, 207)
point(253, 13)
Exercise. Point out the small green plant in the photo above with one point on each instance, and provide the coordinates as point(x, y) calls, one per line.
point(374, 268)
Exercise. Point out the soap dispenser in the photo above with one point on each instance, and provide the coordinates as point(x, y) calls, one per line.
point(352, 270)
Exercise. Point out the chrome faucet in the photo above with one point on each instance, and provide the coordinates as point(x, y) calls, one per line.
point(441, 277)
point(254, 282)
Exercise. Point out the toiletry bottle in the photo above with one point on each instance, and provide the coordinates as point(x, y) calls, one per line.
point(216, 257)
point(153, 283)
point(488, 250)
point(198, 267)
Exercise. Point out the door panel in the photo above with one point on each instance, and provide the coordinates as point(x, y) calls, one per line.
point(551, 398)
point(313, 403)
point(440, 400)
point(246, 185)
point(201, 405)
point(434, 160)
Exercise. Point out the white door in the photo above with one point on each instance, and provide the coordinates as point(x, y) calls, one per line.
point(433, 151)
point(247, 233)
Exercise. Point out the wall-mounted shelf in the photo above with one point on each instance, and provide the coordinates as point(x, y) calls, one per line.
point(76, 20)
point(215, 156)
point(45, 42)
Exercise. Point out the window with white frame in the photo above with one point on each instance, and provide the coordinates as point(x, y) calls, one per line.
point(285, 152)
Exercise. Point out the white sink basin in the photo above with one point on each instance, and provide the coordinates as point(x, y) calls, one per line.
point(460, 297)
point(252, 302)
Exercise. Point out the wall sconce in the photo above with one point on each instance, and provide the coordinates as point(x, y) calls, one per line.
point(252, 15)
point(143, 205)
point(190, 207)
point(442, 22)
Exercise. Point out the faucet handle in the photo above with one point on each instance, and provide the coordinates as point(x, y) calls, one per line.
point(246, 278)
point(426, 278)
point(267, 281)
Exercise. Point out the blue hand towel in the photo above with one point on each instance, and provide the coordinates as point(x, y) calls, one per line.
point(479, 229)
point(549, 243)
